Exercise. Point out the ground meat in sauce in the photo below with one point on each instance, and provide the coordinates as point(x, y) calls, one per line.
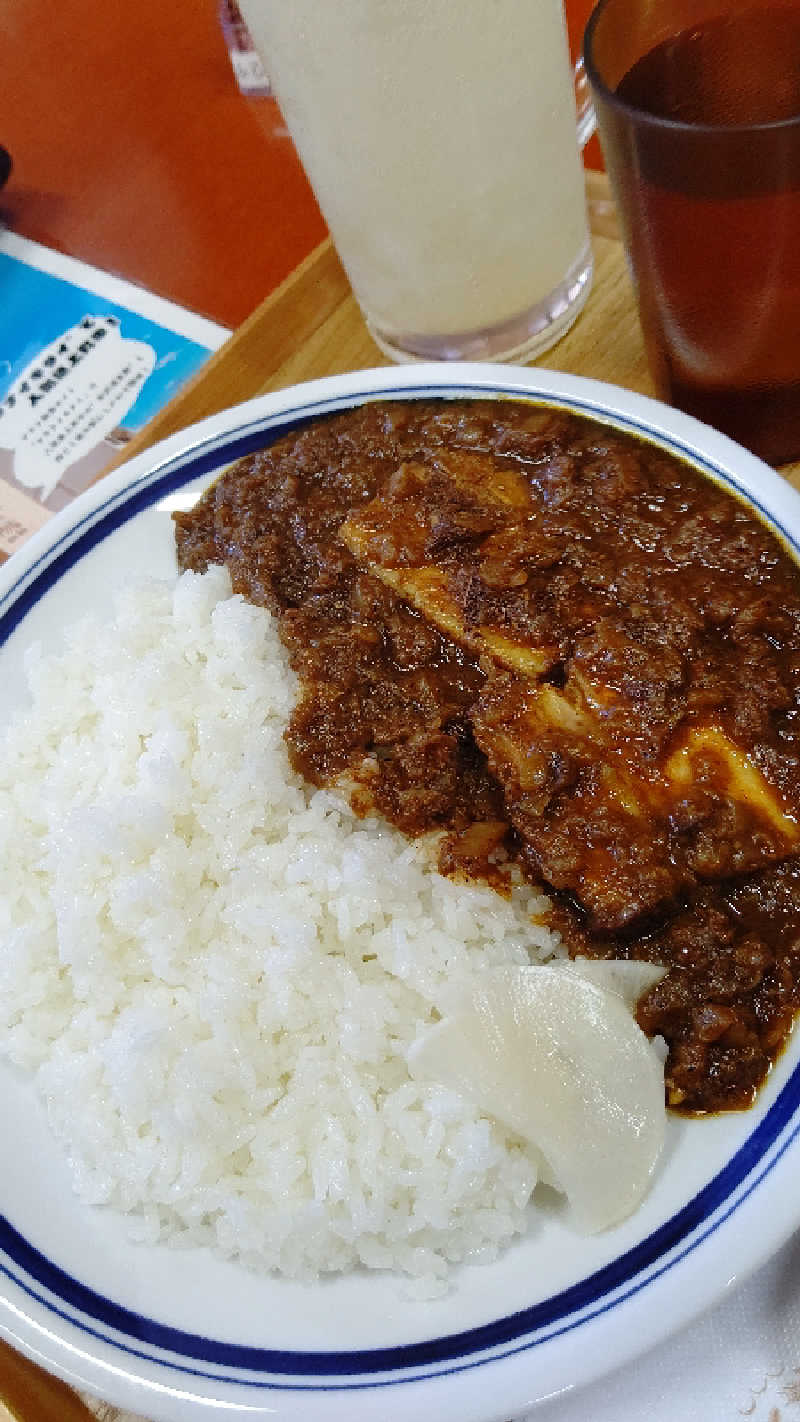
point(570, 652)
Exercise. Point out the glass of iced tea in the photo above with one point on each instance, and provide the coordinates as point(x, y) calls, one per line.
point(440, 139)
point(698, 108)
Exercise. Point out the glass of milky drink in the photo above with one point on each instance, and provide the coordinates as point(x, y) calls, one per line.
point(440, 139)
point(698, 106)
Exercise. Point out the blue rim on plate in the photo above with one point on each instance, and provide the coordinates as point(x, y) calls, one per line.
point(144, 1337)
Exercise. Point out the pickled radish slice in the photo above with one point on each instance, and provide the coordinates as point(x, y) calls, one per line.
point(626, 977)
point(561, 1061)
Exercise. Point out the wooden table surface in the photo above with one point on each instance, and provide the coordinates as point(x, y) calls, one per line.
point(309, 327)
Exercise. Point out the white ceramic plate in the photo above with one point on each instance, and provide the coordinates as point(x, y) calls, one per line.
point(179, 1335)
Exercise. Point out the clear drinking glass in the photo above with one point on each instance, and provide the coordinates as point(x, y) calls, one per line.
point(440, 139)
point(698, 107)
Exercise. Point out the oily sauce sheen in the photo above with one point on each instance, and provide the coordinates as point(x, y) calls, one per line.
point(572, 656)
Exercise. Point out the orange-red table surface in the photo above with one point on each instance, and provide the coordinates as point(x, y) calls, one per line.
point(135, 150)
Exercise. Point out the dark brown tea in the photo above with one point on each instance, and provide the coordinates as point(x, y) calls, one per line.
point(713, 219)
point(741, 68)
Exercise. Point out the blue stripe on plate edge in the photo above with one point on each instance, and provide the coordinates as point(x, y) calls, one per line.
point(545, 1320)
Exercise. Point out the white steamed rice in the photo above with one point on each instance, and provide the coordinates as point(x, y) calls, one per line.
point(214, 971)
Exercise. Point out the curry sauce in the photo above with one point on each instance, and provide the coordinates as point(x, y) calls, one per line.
point(573, 656)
